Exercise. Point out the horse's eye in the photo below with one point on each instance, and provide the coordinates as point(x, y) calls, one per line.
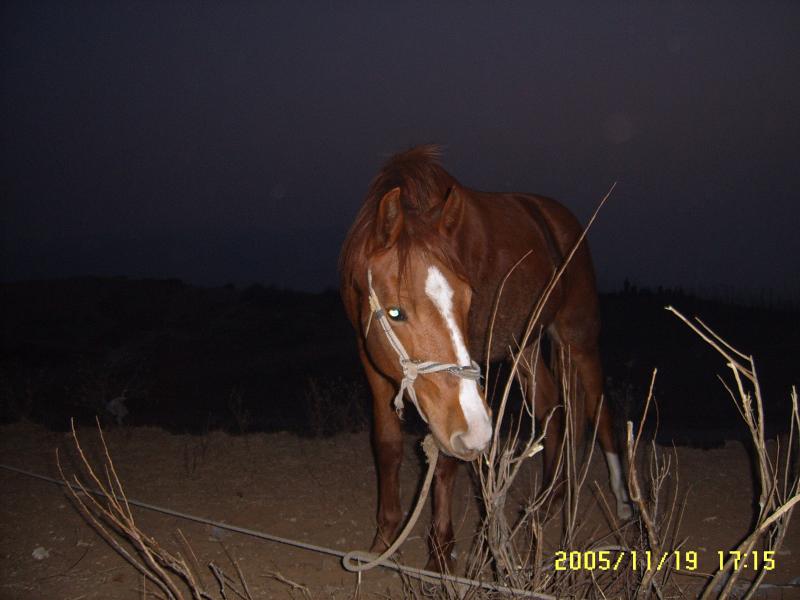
point(396, 314)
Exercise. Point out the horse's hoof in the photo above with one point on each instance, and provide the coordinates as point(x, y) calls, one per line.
point(439, 563)
point(624, 511)
point(379, 544)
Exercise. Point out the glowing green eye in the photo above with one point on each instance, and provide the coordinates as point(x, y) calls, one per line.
point(395, 314)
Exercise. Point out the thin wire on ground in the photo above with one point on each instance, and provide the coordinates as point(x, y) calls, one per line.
point(422, 574)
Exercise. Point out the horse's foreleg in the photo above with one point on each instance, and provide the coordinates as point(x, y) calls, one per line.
point(442, 540)
point(388, 454)
point(387, 441)
point(591, 376)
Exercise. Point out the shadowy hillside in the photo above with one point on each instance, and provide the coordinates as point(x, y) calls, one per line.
point(186, 358)
point(193, 359)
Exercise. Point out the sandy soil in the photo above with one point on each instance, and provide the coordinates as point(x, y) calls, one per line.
point(316, 490)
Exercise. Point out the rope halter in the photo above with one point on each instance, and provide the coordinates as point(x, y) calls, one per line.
point(412, 368)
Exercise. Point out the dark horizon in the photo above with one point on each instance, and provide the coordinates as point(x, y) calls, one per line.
point(234, 143)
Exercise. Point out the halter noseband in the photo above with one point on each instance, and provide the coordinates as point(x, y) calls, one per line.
point(412, 368)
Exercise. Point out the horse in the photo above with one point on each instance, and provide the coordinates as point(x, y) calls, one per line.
point(421, 268)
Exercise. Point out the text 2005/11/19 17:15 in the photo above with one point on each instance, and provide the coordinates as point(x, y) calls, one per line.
point(686, 560)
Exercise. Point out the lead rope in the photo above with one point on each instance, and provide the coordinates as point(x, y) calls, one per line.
point(351, 560)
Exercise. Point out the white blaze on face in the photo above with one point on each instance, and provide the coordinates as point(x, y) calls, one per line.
point(479, 425)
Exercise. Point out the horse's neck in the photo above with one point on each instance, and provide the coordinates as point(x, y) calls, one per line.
point(503, 243)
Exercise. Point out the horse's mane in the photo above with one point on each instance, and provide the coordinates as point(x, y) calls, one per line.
point(424, 185)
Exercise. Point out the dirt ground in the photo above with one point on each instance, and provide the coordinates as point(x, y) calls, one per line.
point(320, 491)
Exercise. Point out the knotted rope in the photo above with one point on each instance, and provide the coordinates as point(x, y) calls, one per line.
point(412, 368)
point(351, 560)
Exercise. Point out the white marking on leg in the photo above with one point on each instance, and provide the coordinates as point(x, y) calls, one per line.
point(624, 510)
point(479, 426)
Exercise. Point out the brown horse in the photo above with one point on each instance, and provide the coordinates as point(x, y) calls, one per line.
point(421, 268)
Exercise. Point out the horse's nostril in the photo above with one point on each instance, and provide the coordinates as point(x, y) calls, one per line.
point(473, 441)
point(460, 443)
point(457, 443)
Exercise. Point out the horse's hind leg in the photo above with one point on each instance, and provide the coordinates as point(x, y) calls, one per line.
point(542, 388)
point(587, 362)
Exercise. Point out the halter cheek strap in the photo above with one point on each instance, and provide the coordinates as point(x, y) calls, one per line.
point(412, 368)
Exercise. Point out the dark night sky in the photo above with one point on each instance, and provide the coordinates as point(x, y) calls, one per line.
point(234, 141)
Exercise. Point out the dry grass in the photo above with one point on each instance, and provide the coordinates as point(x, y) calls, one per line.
point(167, 575)
point(334, 406)
point(508, 549)
point(778, 478)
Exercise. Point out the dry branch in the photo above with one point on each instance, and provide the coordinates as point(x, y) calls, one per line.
point(777, 495)
point(107, 510)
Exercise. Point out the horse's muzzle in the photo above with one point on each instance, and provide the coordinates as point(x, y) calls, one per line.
point(460, 445)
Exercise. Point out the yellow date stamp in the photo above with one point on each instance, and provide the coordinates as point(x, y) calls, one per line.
point(646, 560)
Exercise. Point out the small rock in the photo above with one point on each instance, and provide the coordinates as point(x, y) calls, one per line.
point(40, 553)
point(217, 534)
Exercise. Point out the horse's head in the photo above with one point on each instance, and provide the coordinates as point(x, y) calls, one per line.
point(419, 299)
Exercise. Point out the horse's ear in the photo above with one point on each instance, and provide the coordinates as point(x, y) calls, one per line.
point(452, 211)
point(390, 218)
